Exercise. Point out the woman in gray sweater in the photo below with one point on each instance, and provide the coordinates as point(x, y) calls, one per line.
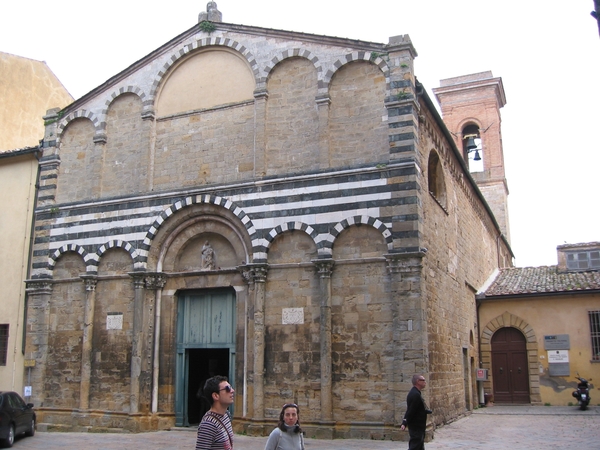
point(288, 434)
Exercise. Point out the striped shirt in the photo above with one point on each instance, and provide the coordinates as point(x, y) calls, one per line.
point(215, 432)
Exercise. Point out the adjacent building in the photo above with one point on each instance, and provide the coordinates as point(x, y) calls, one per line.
point(283, 208)
point(540, 327)
point(27, 89)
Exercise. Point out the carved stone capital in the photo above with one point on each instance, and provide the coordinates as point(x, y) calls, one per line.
point(254, 273)
point(42, 286)
point(407, 262)
point(139, 279)
point(90, 282)
point(324, 267)
point(155, 281)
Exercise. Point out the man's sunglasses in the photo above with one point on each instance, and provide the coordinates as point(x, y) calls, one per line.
point(227, 389)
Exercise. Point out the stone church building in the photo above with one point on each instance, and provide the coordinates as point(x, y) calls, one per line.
point(282, 208)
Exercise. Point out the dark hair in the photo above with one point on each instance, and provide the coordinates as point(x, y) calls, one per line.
point(281, 425)
point(212, 386)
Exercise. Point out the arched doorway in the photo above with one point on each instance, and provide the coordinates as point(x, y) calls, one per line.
point(205, 347)
point(510, 366)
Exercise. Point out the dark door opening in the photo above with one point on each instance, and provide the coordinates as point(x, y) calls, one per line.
point(203, 363)
point(510, 367)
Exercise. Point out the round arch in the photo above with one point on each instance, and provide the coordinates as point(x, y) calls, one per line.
point(510, 320)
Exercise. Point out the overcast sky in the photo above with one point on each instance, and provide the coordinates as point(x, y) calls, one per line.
point(547, 53)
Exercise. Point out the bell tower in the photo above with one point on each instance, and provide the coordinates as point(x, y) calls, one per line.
point(471, 111)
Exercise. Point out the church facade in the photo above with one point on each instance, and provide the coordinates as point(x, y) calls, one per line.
point(285, 209)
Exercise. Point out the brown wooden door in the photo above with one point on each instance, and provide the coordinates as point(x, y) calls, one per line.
point(509, 366)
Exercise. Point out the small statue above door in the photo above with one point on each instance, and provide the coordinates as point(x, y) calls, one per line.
point(208, 257)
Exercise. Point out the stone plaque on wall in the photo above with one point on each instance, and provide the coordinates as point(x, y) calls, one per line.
point(558, 363)
point(293, 316)
point(557, 342)
point(114, 321)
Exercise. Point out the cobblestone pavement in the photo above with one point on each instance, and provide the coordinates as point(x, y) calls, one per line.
point(492, 428)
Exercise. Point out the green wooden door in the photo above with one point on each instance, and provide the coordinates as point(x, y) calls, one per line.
point(205, 347)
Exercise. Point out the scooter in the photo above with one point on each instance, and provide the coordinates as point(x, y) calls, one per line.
point(582, 394)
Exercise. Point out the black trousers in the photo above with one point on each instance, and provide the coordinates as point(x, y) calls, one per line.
point(417, 439)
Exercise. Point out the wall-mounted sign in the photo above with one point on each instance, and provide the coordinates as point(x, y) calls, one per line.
point(558, 363)
point(558, 356)
point(557, 342)
point(481, 374)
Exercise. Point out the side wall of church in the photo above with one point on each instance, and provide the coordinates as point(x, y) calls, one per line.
point(463, 250)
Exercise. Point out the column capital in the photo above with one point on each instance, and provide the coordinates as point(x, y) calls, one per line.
point(324, 267)
point(40, 286)
point(155, 280)
point(90, 282)
point(139, 279)
point(254, 273)
point(405, 262)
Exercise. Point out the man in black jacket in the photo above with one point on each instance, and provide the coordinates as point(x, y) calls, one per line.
point(416, 414)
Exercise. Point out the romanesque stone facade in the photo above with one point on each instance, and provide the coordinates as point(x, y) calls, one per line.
point(283, 208)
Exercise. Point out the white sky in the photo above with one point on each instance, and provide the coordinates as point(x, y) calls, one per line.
point(546, 51)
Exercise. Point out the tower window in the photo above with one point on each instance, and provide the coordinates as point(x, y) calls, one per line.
point(472, 149)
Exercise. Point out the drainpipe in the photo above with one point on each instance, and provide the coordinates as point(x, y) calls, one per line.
point(480, 392)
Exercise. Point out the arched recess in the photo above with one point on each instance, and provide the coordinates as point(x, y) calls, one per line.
point(361, 319)
point(79, 114)
point(177, 245)
point(292, 316)
point(65, 330)
point(77, 161)
point(357, 92)
point(125, 154)
point(54, 257)
point(291, 117)
point(435, 179)
point(114, 297)
point(327, 241)
point(204, 79)
point(205, 43)
point(176, 250)
point(152, 251)
point(510, 320)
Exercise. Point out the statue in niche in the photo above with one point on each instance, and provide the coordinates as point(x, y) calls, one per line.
point(208, 257)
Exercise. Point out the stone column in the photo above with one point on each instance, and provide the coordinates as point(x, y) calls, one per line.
point(86, 345)
point(325, 268)
point(156, 282)
point(260, 114)
point(36, 345)
point(137, 341)
point(259, 272)
point(323, 101)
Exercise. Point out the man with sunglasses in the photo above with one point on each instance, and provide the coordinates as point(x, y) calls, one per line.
point(215, 431)
point(415, 417)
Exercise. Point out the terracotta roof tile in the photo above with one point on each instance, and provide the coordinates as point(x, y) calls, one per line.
point(544, 279)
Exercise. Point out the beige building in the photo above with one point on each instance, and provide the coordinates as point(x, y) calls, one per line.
point(27, 90)
point(286, 209)
point(540, 327)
